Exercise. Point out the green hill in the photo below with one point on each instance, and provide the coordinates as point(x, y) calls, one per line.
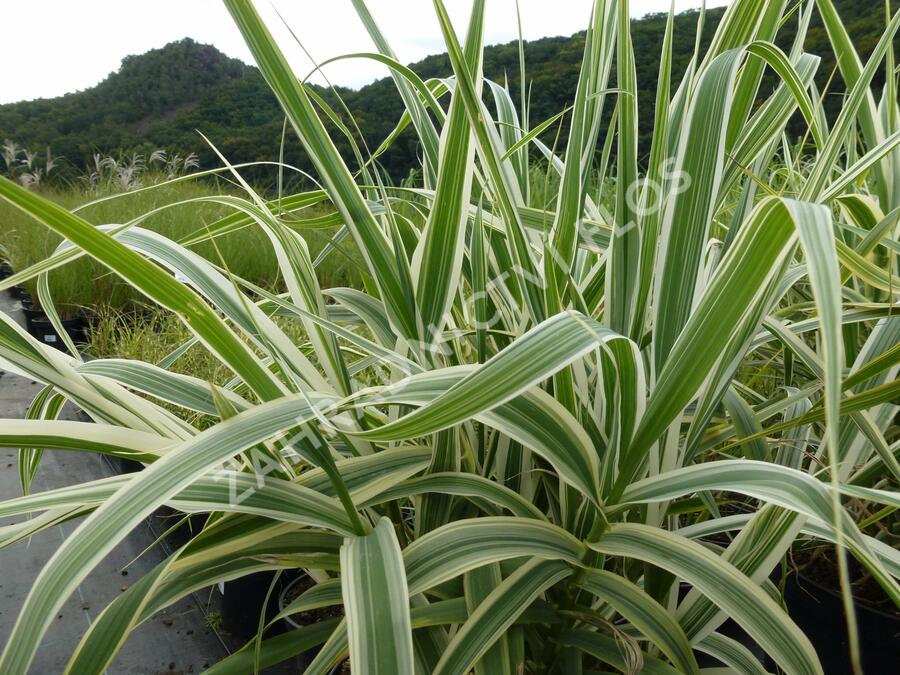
point(161, 98)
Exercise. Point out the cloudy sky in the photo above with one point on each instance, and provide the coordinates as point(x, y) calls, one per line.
point(58, 46)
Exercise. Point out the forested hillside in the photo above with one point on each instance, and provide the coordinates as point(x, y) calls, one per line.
point(160, 99)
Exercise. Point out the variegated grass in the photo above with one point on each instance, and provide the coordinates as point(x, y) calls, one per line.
point(564, 391)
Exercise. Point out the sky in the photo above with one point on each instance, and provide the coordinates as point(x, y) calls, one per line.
point(62, 46)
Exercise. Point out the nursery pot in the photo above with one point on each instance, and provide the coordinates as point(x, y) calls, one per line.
point(243, 600)
point(32, 314)
point(291, 592)
point(128, 465)
point(819, 613)
point(19, 293)
point(40, 327)
point(288, 594)
point(165, 519)
point(122, 465)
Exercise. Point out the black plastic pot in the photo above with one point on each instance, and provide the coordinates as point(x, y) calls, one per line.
point(123, 465)
point(40, 327)
point(290, 623)
point(19, 293)
point(31, 313)
point(303, 659)
point(243, 600)
point(819, 613)
point(165, 520)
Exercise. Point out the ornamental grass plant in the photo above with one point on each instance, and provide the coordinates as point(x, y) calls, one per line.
point(610, 421)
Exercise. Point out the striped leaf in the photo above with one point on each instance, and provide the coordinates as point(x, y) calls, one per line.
point(734, 593)
point(376, 601)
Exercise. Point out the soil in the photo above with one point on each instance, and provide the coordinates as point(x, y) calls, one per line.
point(820, 565)
point(343, 668)
point(311, 616)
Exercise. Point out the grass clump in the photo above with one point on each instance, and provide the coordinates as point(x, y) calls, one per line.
point(177, 211)
point(547, 409)
point(86, 283)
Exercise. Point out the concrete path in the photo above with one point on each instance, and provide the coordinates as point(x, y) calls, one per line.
point(178, 640)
